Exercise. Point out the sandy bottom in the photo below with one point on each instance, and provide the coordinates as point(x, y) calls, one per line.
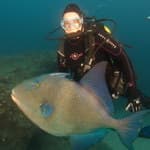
point(17, 132)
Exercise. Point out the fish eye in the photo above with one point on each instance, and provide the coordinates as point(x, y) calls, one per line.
point(31, 85)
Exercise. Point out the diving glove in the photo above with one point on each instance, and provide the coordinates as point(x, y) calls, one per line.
point(86, 68)
point(134, 105)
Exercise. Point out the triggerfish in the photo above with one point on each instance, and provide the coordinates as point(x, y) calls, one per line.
point(82, 111)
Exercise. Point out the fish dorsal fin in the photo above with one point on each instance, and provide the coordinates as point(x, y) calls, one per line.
point(96, 81)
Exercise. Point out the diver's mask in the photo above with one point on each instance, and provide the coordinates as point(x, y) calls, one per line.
point(72, 23)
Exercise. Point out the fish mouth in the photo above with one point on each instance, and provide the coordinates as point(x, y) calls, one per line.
point(15, 99)
point(13, 96)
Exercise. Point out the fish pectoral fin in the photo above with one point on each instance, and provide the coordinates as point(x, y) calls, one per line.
point(85, 141)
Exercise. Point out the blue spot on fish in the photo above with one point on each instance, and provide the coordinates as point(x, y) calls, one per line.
point(46, 109)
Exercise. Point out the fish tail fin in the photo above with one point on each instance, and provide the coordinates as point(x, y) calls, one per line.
point(128, 128)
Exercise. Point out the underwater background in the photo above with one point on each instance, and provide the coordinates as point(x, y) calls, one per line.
point(25, 51)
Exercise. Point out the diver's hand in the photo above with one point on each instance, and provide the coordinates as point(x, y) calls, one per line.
point(134, 106)
point(86, 68)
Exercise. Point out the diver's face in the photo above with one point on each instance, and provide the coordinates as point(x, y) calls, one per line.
point(72, 22)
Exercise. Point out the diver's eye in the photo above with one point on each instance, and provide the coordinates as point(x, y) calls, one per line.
point(66, 24)
point(76, 21)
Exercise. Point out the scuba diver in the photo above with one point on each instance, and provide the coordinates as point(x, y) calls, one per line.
point(88, 41)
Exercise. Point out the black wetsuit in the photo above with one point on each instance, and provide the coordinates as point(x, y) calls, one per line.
point(71, 56)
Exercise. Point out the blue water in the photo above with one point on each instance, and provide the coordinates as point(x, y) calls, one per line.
point(24, 26)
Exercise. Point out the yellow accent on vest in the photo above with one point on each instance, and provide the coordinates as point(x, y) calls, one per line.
point(107, 29)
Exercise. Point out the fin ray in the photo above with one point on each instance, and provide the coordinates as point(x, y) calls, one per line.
point(95, 80)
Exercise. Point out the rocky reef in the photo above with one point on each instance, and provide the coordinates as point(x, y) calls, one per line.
point(16, 130)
